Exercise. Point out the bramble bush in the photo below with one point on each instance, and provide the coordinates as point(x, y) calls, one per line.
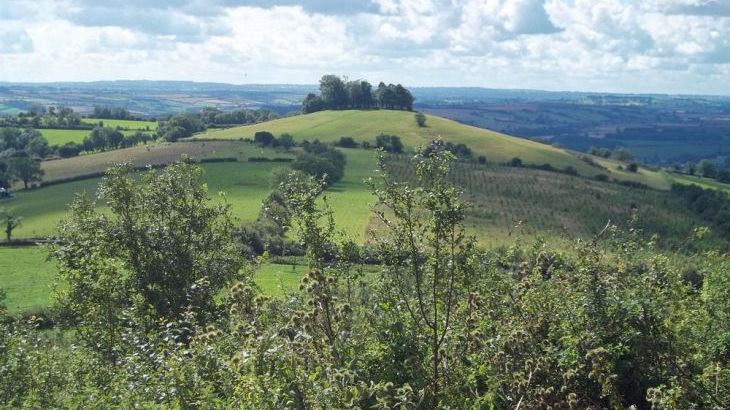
point(612, 323)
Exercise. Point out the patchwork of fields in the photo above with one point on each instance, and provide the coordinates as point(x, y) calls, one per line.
point(539, 203)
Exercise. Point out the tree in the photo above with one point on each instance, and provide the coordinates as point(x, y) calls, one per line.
point(264, 138)
point(332, 92)
point(11, 222)
point(707, 168)
point(6, 174)
point(26, 169)
point(515, 162)
point(69, 149)
point(322, 162)
point(162, 248)
point(420, 119)
point(312, 103)
point(426, 252)
point(285, 141)
point(723, 175)
point(691, 168)
point(389, 143)
point(346, 142)
point(622, 154)
point(180, 126)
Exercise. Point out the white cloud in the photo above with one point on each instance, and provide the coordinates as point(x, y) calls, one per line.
point(14, 40)
point(614, 45)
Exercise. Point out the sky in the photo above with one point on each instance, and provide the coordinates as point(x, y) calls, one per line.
point(662, 46)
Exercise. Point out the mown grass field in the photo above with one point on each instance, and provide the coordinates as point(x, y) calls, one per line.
point(123, 124)
point(60, 137)
point(364, 125)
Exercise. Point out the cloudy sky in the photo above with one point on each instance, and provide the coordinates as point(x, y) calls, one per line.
point(668, 46)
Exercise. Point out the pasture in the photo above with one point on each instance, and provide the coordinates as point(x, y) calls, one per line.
point(244, 184)
point(60, 137)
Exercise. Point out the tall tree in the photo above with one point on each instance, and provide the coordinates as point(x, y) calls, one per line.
point(425, 250)
point(26, 169)
point(312, 103)
point(333, 93)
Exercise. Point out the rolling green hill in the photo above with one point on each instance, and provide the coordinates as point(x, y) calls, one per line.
point(329, 126)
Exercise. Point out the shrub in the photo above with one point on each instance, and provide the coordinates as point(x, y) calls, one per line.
point(264, 138)
point(389, 143)
point(346, 142)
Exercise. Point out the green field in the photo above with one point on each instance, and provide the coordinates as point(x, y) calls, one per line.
point(60, 137)
point(124, 124)
point(28, 277)
point(151, 154)
point(706, 183)
point(244, 183)
point(329, 126)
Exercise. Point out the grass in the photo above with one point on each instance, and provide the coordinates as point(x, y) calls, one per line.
point(706, 183)
point(26, 277)
point(508, 203)
point(363, 125)
point(350, 198)
point(245, 184)
point(151, 154)
point(60, 137)
point(124, 124)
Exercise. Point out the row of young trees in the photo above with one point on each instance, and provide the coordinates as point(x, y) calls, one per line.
point(441, 323)
point(339, 94)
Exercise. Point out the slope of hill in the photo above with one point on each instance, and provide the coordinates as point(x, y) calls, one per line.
point(362, 125)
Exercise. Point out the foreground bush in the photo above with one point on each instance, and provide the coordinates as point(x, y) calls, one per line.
point(613, 323)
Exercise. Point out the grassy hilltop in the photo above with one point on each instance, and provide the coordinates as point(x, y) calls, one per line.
point(364, 125)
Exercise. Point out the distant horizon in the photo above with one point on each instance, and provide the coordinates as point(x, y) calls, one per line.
point(315, 85)
point(667, 47)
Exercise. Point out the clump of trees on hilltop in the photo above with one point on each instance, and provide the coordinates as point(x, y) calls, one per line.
point(336, 93)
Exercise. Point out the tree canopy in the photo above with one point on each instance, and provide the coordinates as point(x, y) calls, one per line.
point(339, 94)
